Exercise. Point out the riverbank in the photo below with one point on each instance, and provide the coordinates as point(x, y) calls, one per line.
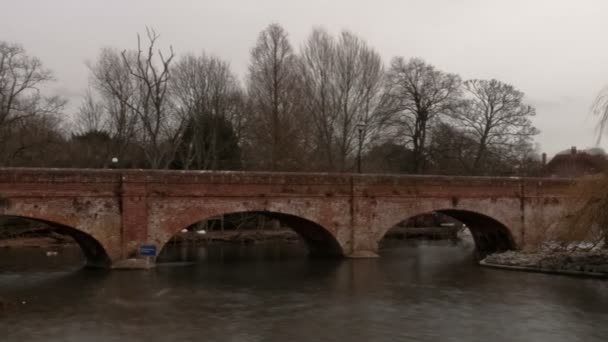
point(423, 233)
point(228, 236)
point(578, 262)
point(234, 236)
point(35, 242)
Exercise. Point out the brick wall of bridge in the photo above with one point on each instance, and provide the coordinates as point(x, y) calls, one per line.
point(123, 209)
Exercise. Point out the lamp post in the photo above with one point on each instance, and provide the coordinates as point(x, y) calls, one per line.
point(114, 162)
point(361, 130)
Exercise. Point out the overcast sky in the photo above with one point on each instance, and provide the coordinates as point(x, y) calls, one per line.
point(556, 51)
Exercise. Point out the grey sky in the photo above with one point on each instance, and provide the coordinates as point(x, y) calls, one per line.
point(554, 50)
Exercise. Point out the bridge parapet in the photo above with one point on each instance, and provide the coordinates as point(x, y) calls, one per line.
point(363, 184)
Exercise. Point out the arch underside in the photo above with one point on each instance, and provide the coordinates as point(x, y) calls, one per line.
point(320, 242)
point(95, 254)
point(490, 235)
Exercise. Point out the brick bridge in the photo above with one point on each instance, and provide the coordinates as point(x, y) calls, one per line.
point(110, 213)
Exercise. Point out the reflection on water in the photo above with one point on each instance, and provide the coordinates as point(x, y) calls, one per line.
point(31, 259)
point(421, 292)
point(227, 252)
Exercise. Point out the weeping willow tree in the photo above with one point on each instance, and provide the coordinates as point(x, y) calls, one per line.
point(600, 108)
point(588, 219)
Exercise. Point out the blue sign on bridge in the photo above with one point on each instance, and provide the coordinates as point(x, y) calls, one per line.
point(147, 250)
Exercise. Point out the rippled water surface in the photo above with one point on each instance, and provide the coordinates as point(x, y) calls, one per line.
point(423, 292)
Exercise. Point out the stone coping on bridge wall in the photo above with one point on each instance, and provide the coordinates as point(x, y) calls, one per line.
point(109, 182)
point(68, 175)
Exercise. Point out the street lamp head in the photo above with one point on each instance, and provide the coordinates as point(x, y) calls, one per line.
point(361, 126)
point(114, 160)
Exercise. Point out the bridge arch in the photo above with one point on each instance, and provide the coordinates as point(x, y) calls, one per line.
point(490, 234)
point(320, 241)
point(93, 250)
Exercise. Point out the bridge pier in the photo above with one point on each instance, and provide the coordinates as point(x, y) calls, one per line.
point(134, 212)
point(362, 244)
point(363, 254)
point(133, 264)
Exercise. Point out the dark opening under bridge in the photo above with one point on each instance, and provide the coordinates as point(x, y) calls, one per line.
point(111, 213)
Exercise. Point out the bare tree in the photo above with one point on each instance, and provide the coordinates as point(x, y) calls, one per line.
point(449, 150)
point(110, 103)
point(494, 116)
point(359, 81)
point(36, 141)
point(342, 80)
point(210, 100)
point(273, 89)
point(160, 132)
point(21, 77)
point(91, 115)
point(133, 90)
point(317, 66)
point(419, 94)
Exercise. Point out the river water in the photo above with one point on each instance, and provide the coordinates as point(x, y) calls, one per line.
point(415, 292)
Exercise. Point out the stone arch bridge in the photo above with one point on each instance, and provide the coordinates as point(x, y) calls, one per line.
point(111, 213)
